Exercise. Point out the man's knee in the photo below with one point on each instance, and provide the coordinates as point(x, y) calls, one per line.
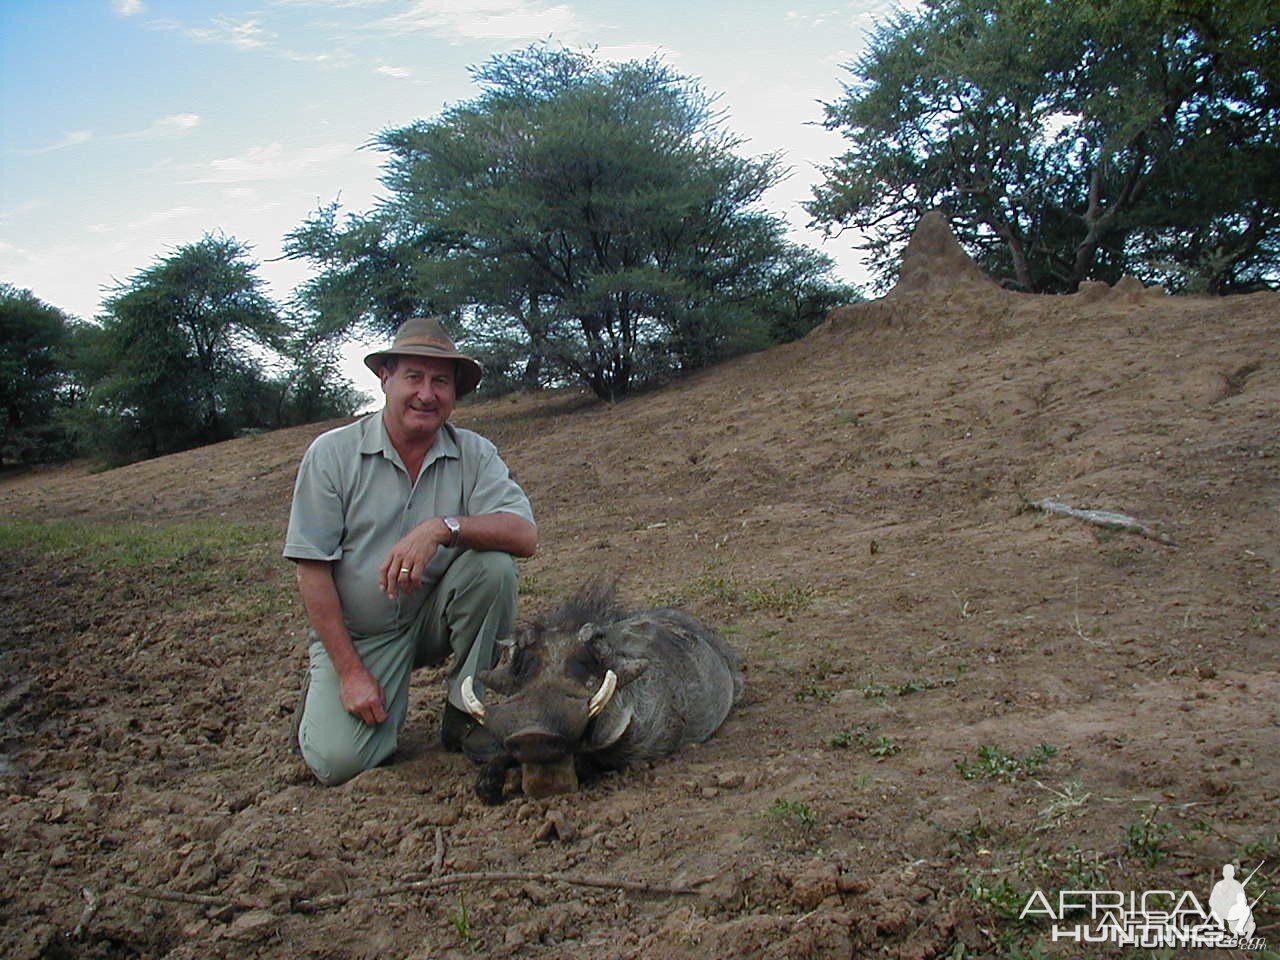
point(332, 767)
point(495, 572)
point(336, 757)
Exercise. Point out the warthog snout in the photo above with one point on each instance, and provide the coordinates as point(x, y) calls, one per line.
point(538, 746)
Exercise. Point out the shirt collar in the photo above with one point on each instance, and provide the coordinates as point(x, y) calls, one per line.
point(374, 440)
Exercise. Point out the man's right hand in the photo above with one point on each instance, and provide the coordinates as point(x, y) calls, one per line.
point(362, 697)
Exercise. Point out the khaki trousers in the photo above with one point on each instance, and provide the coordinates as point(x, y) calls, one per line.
point(472, 606)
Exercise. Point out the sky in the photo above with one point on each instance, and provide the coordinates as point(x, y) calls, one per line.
point(129, 128)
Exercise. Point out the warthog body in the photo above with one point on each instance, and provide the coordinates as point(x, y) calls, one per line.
point(596, 688)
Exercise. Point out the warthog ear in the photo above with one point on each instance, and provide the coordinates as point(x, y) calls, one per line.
point(597, 639)
point(591, 634)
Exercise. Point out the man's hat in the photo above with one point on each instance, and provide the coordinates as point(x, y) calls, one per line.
point(425, 337)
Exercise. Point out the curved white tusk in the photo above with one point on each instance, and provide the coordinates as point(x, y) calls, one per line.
point(469, 698)
point(603, 695)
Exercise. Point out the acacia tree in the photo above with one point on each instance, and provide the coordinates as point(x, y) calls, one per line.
point(365, 281)
point(594, 217)
point(177, 343)
point(1069, 139)
point(35, 385)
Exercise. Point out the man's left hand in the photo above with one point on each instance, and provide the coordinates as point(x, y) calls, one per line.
point(405, 566)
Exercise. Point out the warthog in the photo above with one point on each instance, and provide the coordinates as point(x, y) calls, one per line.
point(594, 688)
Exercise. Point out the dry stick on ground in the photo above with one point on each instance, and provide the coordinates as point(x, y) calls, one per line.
point(437, 865)
point(198, 899)
point(1103, 518)
point(432, 883)
point(92, 903)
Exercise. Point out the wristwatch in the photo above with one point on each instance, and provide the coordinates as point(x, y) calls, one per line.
point(455, 529)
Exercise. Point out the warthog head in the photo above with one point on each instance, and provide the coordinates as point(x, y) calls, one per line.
point(547, 687)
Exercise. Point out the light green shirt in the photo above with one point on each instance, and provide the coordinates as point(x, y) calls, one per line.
point(353, 501)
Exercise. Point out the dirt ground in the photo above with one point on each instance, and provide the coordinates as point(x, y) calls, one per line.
point(952, 698)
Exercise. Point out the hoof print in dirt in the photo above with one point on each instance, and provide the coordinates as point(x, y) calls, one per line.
point(594, 688)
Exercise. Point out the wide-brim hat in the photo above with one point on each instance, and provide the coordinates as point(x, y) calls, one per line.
point(425, 337)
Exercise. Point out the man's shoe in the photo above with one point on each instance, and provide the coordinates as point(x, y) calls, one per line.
point(462, 733)
point(455, 724)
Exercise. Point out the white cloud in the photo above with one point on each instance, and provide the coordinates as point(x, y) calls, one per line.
point(71, 139)
point(399, 73)
point(486, 19)
point(337, 57)
point(21, 210)
point(179, 121)
point(329, 3)
point(128, 8)
point(271, 162)
point(7, 249)
point(166, 216)
point(250, 36)
point(241, 34)
point(176, 124)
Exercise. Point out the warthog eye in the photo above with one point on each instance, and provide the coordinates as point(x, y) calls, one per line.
point(526, 662)
point(583, 666)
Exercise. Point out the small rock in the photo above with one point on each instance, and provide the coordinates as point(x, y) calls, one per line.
point(814, 885)
point(527, 811)
point(197, 928)
point(436, 815)
point(514, 939)
point(59, 857)
point(556, 826)
point(253, 925)
point(848, 883)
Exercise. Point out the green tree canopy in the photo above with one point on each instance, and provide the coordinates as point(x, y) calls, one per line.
point(35, 386)
point(584, 221)
point(178, 341)
point(1070, 139)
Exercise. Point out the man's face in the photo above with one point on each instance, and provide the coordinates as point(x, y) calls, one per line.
point(421, 393)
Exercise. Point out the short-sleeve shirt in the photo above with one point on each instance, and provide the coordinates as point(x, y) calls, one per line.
point(353, 501)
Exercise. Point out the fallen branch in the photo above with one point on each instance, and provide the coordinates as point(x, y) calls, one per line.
point(92, 903)
point(437, 865)
point(435, 883)
point(1103, 518)
point(198, 899)
point(422, 886)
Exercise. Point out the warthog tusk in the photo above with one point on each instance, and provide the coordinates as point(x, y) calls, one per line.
point(469, 698)
point(604, 694)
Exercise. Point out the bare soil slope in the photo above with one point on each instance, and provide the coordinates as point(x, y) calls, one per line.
point(851, 511)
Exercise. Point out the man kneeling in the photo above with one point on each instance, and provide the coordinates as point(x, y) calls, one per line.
point(404, 529)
